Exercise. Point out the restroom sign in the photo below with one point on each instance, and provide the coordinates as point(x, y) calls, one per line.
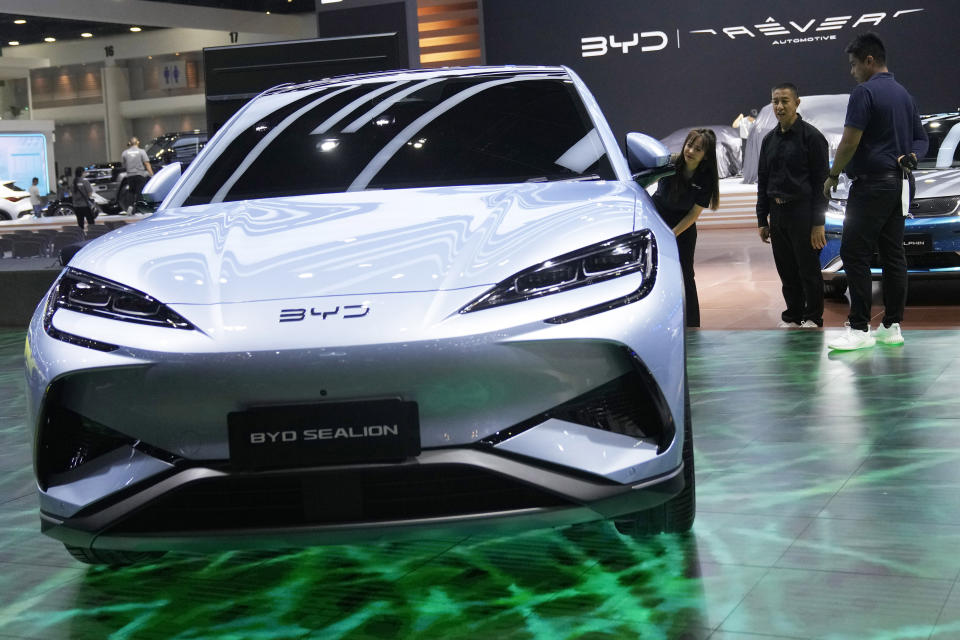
point(173, 74)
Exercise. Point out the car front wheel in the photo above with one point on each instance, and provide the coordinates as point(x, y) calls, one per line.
point(676, 514)
point(835, 288)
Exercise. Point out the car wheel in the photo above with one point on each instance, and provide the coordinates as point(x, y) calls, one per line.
point(5, 216)
point(676, 514)
point(835, 288)
point(62, 210)
point(112, 558)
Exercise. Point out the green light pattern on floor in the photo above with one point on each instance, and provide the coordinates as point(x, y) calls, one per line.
point(828, 507)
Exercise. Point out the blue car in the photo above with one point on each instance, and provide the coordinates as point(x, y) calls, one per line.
point(374, 305)
point(932, 232)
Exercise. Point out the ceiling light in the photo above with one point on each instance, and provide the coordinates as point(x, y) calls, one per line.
point(20, 21)
point(136, 29)
point(13, 43)
point(49, 39)
point(86, 34)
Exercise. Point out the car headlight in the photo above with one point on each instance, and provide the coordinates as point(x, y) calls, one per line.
point(627, 254)
point(85, 293)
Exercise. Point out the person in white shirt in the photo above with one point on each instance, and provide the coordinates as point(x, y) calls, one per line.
point(744, 123)
point(137, 165)
point(35, 200)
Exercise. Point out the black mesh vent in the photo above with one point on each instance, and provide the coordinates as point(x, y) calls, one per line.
point(619, 407)
point(934, 207)
point(362, 495)
point(67, 440)
point(624, 405)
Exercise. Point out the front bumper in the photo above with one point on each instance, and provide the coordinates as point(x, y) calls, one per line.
point(454, 491)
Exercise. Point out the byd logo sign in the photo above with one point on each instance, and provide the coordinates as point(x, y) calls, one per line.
point(800, 31)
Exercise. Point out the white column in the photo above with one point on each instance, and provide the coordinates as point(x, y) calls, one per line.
point(115, 83)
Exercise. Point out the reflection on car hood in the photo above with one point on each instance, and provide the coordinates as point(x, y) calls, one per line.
point(935, 183)
point(358, 242)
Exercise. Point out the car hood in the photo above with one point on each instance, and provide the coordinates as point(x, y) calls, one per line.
point(428, 239)
point(935, 183)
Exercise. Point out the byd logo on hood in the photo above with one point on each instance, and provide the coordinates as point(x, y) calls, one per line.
point(807, 31)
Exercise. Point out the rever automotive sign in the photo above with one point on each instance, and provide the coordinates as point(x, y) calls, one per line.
point(660, 65)
point(812, 30)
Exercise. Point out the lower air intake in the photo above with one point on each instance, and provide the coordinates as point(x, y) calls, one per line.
point(368, 495)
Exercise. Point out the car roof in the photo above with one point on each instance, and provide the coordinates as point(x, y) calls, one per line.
point(414, 74)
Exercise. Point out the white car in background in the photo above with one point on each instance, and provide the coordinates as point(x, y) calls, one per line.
point(14, 201)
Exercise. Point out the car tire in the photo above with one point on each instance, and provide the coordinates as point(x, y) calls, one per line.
point(62, 210)
point(835, 288)
point(5, 216)
point(112, 557)
point(676, 515)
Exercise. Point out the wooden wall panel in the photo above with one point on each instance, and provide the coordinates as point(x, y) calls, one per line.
point(449, 33)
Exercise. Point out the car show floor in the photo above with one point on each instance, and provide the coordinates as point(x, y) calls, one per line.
point(828, 507)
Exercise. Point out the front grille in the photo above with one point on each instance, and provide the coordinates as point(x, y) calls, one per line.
point(334, 496)
point(934, 207)
point(941, 260)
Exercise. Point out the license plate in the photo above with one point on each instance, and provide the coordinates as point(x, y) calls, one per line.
point(917, 243)
point(289, 436)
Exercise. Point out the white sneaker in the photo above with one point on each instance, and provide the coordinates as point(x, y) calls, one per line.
point(809, 324)
point(783, 324)
point(889, 335)
point(852, 339)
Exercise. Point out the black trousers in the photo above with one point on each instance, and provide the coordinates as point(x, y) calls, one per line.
point(129, 191)
point(84, 214)
point(687, 245)
point(874, 221)
point(798, 263)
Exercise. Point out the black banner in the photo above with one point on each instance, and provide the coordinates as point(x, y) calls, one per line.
point(658, 66)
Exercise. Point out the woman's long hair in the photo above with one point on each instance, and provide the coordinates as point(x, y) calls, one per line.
point(707, 166)
point(77, 176)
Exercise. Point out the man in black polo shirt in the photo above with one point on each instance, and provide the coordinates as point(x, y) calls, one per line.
point(882, 129)
point(790, 207)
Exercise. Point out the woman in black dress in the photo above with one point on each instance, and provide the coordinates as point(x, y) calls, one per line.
point(681, 197)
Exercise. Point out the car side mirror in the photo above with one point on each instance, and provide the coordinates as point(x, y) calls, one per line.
point(158, 187)
point(648, 159)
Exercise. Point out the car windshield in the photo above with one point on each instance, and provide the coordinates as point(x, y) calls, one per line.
point(937, 129)
point(464, 130)
point(157, 146)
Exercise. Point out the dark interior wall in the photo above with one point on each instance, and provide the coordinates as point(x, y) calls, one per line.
point(390, 17)
point(657, 66)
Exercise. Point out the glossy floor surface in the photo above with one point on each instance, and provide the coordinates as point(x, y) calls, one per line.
point(739, 288)
point(828, 507)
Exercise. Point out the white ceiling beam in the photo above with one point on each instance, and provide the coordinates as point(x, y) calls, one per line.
point(162, 14)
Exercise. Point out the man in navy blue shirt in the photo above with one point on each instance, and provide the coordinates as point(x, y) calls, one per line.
point(881, 130)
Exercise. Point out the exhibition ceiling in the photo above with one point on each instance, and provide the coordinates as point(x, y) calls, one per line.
point(33, 29)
